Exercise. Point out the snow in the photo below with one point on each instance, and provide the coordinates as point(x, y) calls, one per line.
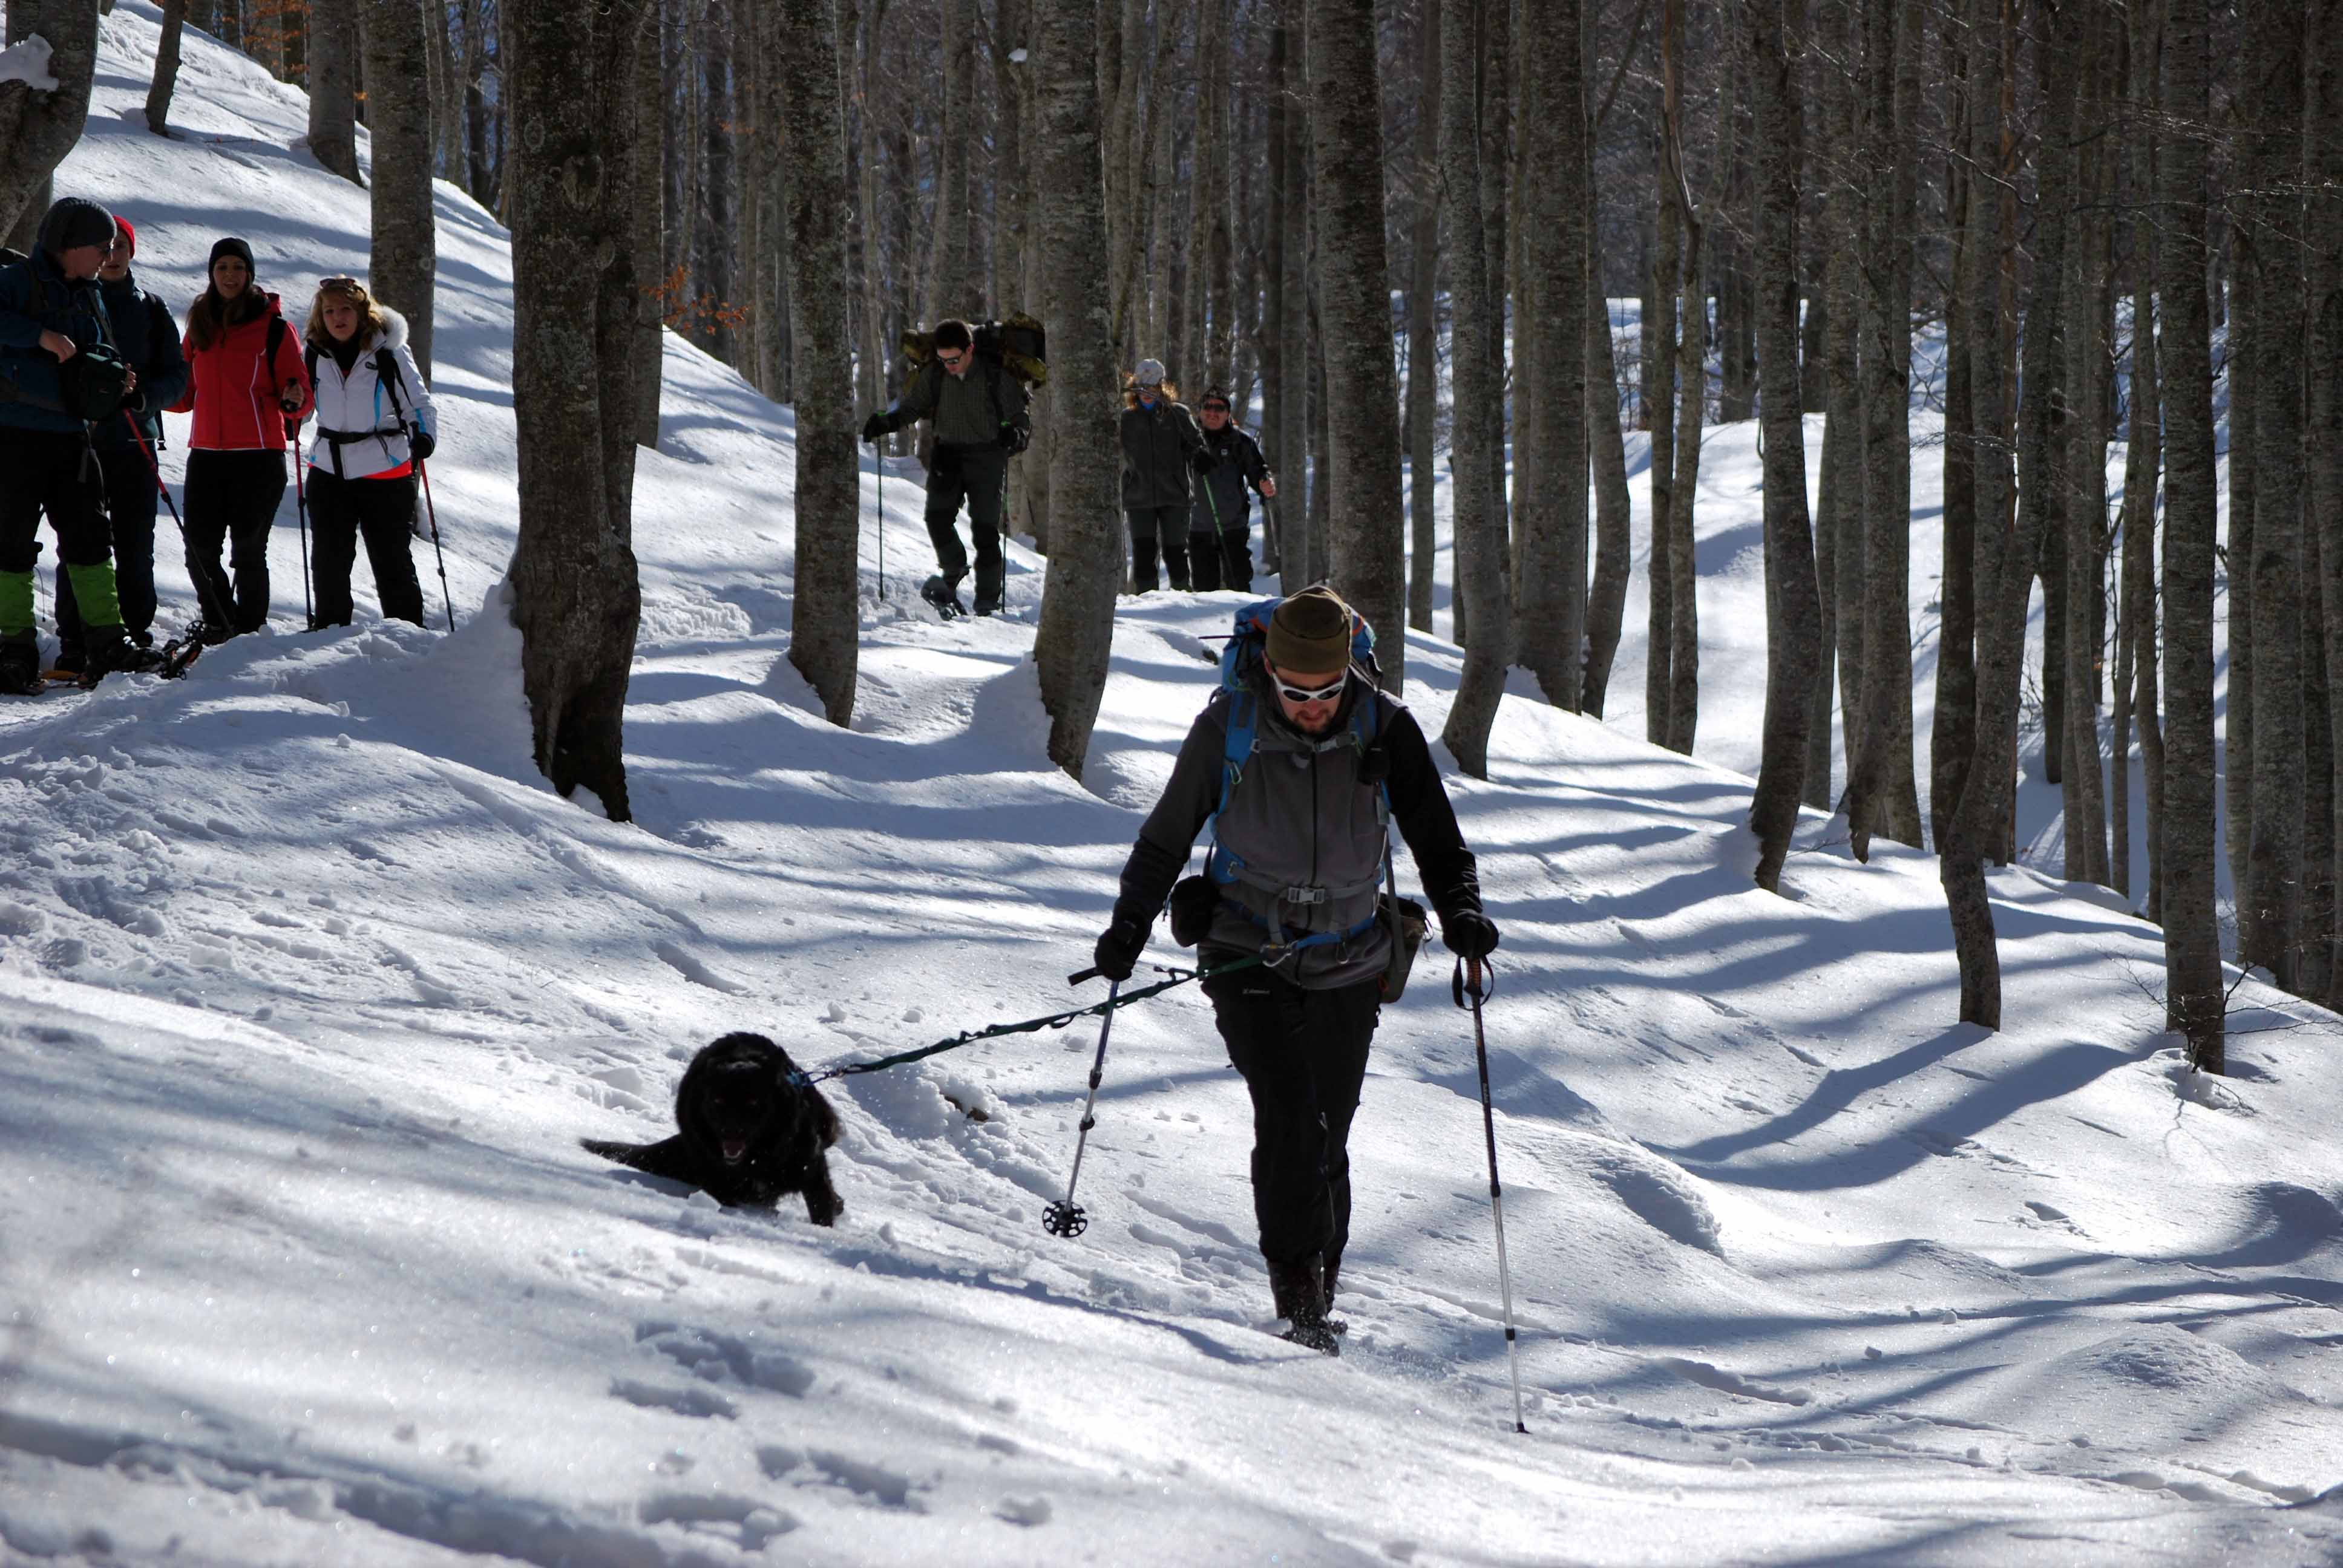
point(27, 61)
point(308, 985)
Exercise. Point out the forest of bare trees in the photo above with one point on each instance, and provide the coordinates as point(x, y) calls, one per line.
point(1518, 240)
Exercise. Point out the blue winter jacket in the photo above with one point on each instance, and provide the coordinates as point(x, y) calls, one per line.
point(35, 297)
point(148, 338)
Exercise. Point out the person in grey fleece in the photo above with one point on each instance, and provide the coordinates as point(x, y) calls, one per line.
point(1304, 830)
point(983, 418)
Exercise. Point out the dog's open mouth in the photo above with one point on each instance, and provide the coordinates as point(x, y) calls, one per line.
point(734, 1148)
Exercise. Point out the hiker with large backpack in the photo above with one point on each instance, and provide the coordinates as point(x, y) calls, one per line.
point(1220, 529)
point(1161, 446)
point(375, 425)
point(59, 373)
point(1299, 763)
point(149, 340)
point(982, 417)
point(248, 384)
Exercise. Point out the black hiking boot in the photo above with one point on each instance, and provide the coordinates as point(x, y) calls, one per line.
point(1301, 1300)
point(111, 650)
point(20, 666)
point(945, 597)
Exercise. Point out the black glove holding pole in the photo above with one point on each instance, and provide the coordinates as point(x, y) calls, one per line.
point(1117, 953)
point(1468, 933)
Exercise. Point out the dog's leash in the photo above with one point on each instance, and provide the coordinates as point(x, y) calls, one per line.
point(1180, 977)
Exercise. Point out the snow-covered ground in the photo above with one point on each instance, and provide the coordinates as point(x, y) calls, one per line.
point(308, 986)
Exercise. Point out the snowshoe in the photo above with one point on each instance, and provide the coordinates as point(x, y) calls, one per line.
point(112, 652)
point(945, 597)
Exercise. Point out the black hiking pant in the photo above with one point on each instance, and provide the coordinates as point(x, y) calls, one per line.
point(1304, 1055)
point(979, 476)
point(340, 512)
point(52, 472)
point(130, 513)
point(1223, 559)
point(231, 498)
point(1154, 526)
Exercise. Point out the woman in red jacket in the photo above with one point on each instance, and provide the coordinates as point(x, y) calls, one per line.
point(248, 381)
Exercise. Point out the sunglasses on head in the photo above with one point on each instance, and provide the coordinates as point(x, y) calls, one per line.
point(1311, 693)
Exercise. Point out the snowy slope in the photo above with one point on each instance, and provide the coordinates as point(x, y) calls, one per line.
point(308, 985)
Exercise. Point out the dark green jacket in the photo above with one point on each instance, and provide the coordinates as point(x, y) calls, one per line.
point(978, 409)
point(1159, 446)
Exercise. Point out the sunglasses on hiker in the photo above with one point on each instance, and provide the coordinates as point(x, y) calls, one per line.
point(1308, 694)
point(1216, 407)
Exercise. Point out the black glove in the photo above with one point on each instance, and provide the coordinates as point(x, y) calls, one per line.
point(1118, 950)
point(422, 446)
point(874, 427)
point(1017, 438)
point(1469, 934)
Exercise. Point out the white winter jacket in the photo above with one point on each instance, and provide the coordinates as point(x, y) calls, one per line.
point(361, 423)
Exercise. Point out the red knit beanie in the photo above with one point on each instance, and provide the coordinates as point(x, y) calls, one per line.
point(129, 235)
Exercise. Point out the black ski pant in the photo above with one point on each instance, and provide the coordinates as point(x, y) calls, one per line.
point(979, 476)
point(232, 498)
point(53, 472)
point(1223, 559)
point(1304, 1055)
point(341, 511)
point(130, 511)
point(1151, 527)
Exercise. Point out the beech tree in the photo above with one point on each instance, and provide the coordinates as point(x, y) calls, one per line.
point(333, 85)
point(404, 270)
point(40, 124)
point(577, 597)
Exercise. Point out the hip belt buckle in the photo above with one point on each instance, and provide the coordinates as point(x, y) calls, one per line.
point(1304, 895)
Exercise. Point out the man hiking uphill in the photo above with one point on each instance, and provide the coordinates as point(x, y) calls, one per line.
point(1219, 527)
point(1298, 814)
point(982, 418)
point(52, 316)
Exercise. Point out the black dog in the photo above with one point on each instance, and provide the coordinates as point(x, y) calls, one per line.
point(748, 1135)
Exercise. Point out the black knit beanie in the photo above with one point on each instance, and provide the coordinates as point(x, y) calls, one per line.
point(74, 222)
point(234, 246)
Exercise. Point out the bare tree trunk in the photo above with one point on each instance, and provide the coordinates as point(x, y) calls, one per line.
point(1692, 391)
point(2271, 102)
point(874, 308)
point(717, 227)
point(956, 285)
point(801, 97)
point(1477, 426)
point(1793, 652)
point(1119, 73)
point(649, 157)
point(1950, 745)
point(1607, 599)
point(333, 103)
point(1497, 225)
point(2006, 582)
point(2085, 465)
point(1659, 405)
point(1839, 530)
point(2323, 432)
point(576, 594)
point(1550, 508)
point(1013, 26)
point(403, 271)
point(2194, 997)
point(1298, 565)
point(446, 125)
point(2136, 693)
point(38, 128)
point(1085, 535)
point(1365, 545)
point(167, 79)
point(1423, 324)
point(1882, 794)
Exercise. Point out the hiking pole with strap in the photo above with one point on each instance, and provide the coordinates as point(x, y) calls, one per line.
point(301, 503)
point(879, 467)
point(1065, 1217)
point(202, 604)
point(447, 602)
point(1479, 991)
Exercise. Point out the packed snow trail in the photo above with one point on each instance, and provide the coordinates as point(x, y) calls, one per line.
point(311, 985)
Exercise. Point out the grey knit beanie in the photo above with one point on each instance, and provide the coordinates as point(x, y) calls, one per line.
point(74, 222)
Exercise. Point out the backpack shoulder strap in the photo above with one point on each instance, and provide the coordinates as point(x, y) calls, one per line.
point(309, 362)
point(276, 331)
point(385, 376)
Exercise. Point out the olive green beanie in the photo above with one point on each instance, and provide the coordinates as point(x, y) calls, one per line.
point(1309, 634)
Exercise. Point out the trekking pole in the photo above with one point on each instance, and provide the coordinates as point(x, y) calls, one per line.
point(1479, 992)
point(301, 503)
point(879, 466)
point(1065, 1217)
point(447, 602)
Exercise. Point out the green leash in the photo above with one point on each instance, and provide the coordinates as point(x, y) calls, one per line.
point(1029, 1026)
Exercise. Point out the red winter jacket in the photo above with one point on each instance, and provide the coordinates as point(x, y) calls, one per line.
point(234, 394)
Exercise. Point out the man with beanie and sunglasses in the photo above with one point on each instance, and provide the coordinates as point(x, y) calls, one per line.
point(1298, 859)
point(50, 313)
point(1219, 527)
point(147, 337)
